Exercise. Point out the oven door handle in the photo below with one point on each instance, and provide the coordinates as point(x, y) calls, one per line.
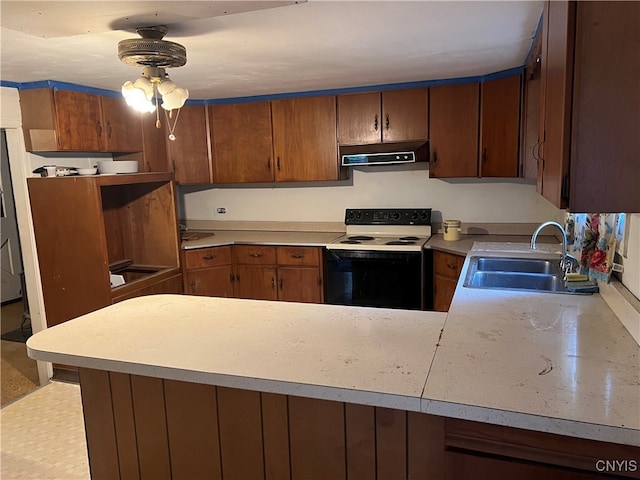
point(335, 255)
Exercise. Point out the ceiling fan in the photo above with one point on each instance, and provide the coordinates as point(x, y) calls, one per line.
point(154, 55)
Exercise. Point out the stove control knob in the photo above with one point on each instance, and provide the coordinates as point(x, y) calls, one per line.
point(414, 216)
point(423, 216)
point(358, 215)
point(395, 216)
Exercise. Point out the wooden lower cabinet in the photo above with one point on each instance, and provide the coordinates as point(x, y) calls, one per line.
point(152, 428)
point(446, 271)
point(259, 272)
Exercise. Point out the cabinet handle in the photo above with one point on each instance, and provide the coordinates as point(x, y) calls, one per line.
point(209, 257)
point(278, 163)
point(319, 280)
point(434, 158)
point(375, 122)
point(280, 282)
point(193, 287)
point(269, 164)
point(148, 166)
point(256, 255)
point(231, 277)
point(99, 125)
point(451, 266)
point(109, 129)
point(386, 122)
point(236, 277)
point(297, 255)
point(484, 155)
point(273, 283)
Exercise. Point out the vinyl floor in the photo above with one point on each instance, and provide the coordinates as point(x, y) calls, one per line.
point(42, 435)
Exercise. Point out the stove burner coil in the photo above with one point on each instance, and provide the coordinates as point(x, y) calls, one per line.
point(350, 241)
point(400, 242)
point(411, 238)
point(360, 237)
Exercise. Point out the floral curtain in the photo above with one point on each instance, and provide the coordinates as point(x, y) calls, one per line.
point(592, 240)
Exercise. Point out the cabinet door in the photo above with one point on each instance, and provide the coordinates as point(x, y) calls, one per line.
point(189, 152)
point(122, 124)
point(78, 121)
point(446, 268)
point(305, 139)
point(299, 284)
point(256, 281)
point(359, 119)
point(605, 168)
point(154, 145)
point(210, 282)
point(557, 71)
point(241, 139)
point(500, 124)
point(453, 138)
point(404, 115)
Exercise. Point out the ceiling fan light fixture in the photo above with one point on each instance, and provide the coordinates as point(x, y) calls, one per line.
point(153, 54)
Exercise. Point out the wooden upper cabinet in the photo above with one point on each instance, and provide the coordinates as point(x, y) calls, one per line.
point(500, 127)
point(453, 138)
point(122, 126)
point(189, 154)
point(154, 145)
point(242, 142)
point(65, 120)
point(305, 139)
point(558, 30)
point(378, 117)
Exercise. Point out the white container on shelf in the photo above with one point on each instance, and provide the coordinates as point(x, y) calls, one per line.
point(118, 166)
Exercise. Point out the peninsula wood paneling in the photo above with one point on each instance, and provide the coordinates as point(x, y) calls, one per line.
point(149, 428)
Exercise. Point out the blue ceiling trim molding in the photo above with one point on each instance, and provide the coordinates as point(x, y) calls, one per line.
point(336, 91)
point(535, 37)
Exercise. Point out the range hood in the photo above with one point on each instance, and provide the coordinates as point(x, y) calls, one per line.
point(383, 153)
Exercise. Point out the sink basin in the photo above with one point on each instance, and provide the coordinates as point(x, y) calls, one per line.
point(505, 273)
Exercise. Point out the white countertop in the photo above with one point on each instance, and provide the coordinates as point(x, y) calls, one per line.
point(549, 362)
point(360, 355)
point(229, 237)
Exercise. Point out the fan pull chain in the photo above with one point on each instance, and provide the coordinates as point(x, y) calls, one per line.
point(172, 137)
point(158, 125)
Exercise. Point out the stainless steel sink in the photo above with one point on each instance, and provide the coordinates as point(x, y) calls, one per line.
point(505, 273)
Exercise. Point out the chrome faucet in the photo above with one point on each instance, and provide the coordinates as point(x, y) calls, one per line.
point(566, 261)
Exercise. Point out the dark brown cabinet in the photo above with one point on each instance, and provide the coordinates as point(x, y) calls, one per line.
point(208, 272)
point(64, 120)
point(446, 271)
point(453, 124)
point(475, 129)
point(259, 272)
point(154, 145)
point(305, 139)
point(500, 127)
point(123, 224)
point(188, 154)
point(590, 107)
point(242, 142)
point(382, 117)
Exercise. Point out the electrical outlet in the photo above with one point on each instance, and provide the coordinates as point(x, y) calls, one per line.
point(221, 210)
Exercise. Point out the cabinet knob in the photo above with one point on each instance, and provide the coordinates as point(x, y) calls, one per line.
point(256, 255)
point(209, 257)
point(451, 266)
point(297, 255)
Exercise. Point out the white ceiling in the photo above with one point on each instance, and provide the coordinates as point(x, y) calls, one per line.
point(247, 48)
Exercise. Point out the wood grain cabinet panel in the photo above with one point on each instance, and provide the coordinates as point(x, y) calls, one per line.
point(189, 155)
point(453, 124)
point(242, 142)
point(206, 431)
point(209, 272)
point(65, 120)
point(379, 117)
point(500, 127)
point(446, 271)
point(305, 139)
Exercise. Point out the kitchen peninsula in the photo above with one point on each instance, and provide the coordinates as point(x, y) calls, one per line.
point(504, 384)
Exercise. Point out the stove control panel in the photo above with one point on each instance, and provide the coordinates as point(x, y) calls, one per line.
point(388, 216)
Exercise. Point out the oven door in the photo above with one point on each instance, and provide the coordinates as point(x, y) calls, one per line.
point(374, 279)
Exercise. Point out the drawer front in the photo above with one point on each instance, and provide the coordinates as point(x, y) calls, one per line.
point(447, 264)
point(307, 256)
point(207, 257)
point(255, 254)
